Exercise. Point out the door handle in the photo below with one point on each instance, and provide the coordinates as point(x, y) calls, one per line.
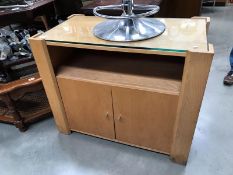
point(107, 115)
point(119, 117)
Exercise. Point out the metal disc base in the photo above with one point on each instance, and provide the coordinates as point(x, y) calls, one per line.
point(132, 29)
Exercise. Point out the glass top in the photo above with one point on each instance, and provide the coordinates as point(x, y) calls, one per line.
point(180, 35)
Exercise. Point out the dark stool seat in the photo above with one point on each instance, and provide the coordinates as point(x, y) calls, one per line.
point(88, 9)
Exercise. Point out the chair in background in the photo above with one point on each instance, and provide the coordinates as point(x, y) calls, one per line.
point(209, 1)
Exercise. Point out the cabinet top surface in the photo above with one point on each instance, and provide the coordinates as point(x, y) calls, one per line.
point(180, 35)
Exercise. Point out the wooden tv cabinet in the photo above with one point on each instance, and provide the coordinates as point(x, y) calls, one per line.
point(146, 94)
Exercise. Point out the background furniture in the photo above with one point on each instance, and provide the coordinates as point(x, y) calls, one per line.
point(183, 8)
point(42, 8)
point(22, 97)
point(65, 8)
point(214, 2)
point(147, 93)
point(209, 1)
point(23, 102)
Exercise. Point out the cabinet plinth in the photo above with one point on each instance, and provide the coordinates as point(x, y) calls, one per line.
point(146, 94)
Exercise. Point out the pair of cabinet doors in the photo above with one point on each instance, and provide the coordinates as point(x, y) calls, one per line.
point(137, 117)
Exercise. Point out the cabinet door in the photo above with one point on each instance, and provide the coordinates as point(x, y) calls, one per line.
point(144, 118)
point(88, 107)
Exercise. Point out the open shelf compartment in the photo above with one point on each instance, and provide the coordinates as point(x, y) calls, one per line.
point(137, 71)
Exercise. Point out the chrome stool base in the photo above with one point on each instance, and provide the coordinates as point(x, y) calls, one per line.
point(128, 26)
point(132, 29)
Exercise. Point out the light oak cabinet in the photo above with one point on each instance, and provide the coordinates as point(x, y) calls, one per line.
point(146, 93)
point(137, 117)
point(124, 97)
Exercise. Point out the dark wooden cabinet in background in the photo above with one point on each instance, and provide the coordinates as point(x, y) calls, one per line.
point(182, 8)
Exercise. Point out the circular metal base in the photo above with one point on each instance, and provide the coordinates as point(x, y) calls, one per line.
point(133, 29)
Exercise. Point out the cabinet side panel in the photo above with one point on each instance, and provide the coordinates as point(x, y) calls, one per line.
point(196, 70)
point(46, 71)
point(144, 118)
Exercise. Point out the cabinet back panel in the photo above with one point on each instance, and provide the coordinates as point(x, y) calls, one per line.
point(129, 63)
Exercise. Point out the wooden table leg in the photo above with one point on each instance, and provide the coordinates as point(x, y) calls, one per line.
point(45, 21)
point(18, 120)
